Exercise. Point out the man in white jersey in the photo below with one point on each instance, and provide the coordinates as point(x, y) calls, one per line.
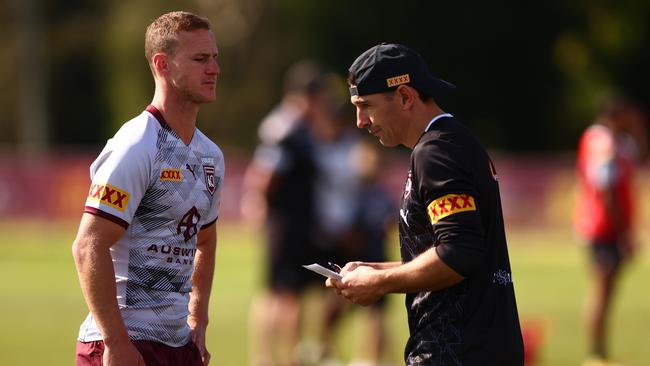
point(145, 249)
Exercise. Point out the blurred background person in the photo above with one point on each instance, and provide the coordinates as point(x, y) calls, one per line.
point(608, 153)
point(375, 220)
point(353, 215)
point(278, 194)
point(337, 186)
point(336, 193)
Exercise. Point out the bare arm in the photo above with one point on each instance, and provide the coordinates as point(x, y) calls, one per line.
point(376, 265)
point(97, 279)
point(256, 190)
point(427, 272)
point(204, 264)
point(366, 284)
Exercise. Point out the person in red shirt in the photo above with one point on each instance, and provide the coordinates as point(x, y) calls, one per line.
point(608, 152)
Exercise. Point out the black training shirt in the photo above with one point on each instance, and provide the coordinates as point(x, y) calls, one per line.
point(451, 201)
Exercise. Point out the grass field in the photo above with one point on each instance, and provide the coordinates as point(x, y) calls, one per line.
point(42, 306)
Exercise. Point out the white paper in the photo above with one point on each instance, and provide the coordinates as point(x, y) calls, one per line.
point(322, 271)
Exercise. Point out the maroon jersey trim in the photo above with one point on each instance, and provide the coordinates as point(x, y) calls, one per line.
point(209, 224)
point(157, 115)
point(107, 216)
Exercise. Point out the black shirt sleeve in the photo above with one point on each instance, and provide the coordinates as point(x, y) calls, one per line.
point(444, 175)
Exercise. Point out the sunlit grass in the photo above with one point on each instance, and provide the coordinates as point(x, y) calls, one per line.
point(42, 304)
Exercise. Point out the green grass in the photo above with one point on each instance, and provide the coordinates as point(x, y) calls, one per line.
point(42, 305)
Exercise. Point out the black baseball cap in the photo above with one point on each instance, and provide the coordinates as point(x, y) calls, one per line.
point(388, 65)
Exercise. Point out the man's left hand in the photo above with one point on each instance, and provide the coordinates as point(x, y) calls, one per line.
point(197, 331)
point(359, 284)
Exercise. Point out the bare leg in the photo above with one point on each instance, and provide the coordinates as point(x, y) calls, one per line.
point(274, 328)
point(603, 289)
point(334, 308)
point(260, 330)
point(374, 336)
point(288, 314)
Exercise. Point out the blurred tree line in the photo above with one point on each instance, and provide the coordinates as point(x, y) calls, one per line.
point(529, 74)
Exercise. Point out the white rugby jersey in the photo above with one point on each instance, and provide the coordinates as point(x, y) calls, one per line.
point(162, 192)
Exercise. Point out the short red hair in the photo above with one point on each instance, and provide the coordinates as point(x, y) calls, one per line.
point(162, 33)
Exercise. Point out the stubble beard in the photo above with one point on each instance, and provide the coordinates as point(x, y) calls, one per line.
point(187, 94)
point(196, 97)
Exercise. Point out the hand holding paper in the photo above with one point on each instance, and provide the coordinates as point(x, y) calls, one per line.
point(315, 267)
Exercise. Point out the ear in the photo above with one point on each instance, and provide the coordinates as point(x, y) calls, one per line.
point(406, 96)
point(160, 63)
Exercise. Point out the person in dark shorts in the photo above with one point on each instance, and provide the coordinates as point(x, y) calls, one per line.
point(455, 268)
point(376, 218)
point(608, 153)
point(354, 216)
point(278, 196)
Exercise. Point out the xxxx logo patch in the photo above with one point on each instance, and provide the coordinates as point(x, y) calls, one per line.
point(398, 80)
point(448, 205)
point(109, 195)
point(171, 174)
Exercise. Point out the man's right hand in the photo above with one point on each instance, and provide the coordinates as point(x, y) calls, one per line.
point(337, 285)
point(123, 354)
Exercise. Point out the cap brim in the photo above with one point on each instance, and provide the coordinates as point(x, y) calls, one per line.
point(438, 88)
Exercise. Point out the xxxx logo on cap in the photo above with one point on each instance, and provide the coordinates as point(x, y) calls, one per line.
point(398, 80)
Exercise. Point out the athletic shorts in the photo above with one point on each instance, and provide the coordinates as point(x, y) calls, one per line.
point(606, 256)
point(154, 354)
point(289, 247)
point(340, 255)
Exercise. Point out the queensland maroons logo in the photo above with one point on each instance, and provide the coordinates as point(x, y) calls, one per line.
point(408, 186)
point(210, 180)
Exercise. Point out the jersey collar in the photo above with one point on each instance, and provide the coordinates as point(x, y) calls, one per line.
point(157, 115)
point(435, 119)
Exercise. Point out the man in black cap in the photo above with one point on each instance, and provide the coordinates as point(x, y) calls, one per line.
point(455, 268)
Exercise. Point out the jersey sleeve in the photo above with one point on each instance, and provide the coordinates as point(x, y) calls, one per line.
point(120, 177)
point(445, 183)
point(272, 157)
point(275, 131)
